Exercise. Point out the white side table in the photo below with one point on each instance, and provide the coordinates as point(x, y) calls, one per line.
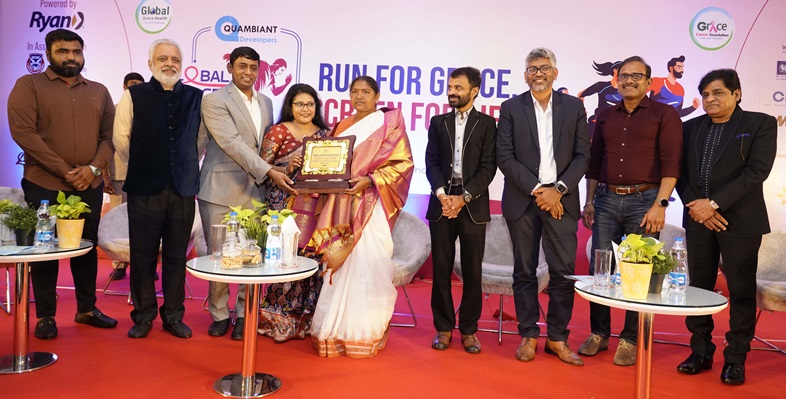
point(695, 303)
point(248, 383)
point(22, 361)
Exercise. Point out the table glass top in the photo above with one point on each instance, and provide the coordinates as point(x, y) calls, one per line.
point(692, 298)
point(204, 264)
point(15, 250)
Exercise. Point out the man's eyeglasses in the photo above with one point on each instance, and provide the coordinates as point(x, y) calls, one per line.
point(300, 106)
point(544, 69)
point(635, 76)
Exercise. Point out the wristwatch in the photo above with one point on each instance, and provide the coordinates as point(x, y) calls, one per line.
point(664, 202)
point(561, 187)
point(94, 170)
point(467, 197)
point(714, 205)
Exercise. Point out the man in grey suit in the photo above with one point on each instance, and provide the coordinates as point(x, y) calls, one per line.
point(237, 117)
point(543, 151)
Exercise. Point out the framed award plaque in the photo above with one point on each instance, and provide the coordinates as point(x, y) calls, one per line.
point(326, 166)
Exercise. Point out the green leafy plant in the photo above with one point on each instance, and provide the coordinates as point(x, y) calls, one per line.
point(638, 249)
point(69, 208)
point(663, 265)
point(256, 219)
point(21, 218)
point(6, 205)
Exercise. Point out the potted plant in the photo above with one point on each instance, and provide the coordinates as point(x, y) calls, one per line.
point(69, 222)
point(661, 266)
point(636, 257)
point(22, 220)
point(255, 220)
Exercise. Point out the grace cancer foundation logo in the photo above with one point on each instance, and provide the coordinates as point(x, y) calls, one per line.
point(712, 28)
point(153, 16)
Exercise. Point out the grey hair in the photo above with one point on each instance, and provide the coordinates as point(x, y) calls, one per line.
point(161, 41)
point(542, 52)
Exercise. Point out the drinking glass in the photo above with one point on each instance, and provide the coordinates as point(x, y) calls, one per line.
point(602, 267)
point(218, 234)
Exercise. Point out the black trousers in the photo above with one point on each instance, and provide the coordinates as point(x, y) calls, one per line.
point(740, 262)
point(83, 268)
point(443, 252)
point(165, 218)
point(559, 246)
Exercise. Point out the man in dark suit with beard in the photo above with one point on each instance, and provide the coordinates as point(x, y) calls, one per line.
point(460, 165)
point(543, 151)
point(728, 155)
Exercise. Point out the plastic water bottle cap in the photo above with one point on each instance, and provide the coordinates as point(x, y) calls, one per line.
point(45, 202)
point(677, 239)
point(232, 214)
point(275, 217)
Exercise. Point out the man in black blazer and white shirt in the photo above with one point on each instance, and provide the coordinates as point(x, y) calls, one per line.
point(460, 165)
point(728, 153)
point(543, 151)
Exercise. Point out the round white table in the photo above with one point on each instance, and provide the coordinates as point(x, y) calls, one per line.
point(21, 361)
point(694, 302)
point(248, 383)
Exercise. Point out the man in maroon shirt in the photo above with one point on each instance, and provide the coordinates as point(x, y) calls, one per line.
point(63, 122)
point(634, 165)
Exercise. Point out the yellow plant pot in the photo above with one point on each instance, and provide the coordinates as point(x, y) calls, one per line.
point(635, 279)
point(69, 232)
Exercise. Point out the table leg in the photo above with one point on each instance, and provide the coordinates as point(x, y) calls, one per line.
point(21, 361)
point(644, 357)
point(248, 383)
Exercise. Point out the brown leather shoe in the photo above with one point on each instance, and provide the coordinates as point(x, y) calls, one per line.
point(562, 350)
point(594, 344)
point(471, 343)
point(441, 340)
point(626, 354)
point(526, 350)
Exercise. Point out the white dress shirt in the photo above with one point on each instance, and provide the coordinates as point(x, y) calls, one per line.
point(253, 108)
point(547, 171)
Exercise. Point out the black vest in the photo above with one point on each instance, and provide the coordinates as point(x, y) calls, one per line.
point(164, 139)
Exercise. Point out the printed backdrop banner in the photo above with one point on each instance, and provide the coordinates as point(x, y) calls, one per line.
point(410, 47)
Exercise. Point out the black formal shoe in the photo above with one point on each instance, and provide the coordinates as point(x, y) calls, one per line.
point(237, 330)
point(733, 374)
point(695, 363)
point(178, 329)
point(95, 319)
point(117, 273)
point(140, 330)
point(46, 328)
point(218, 328)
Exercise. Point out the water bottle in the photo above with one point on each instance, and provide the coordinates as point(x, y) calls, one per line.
point(273, 248)
point(617, 277)
point(678, 278)
point(233, 227)
point(44, 236)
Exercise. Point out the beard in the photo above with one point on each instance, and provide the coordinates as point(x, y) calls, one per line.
point(677, 75)
point(458, 101)
point(67, 69)
point(166, 80)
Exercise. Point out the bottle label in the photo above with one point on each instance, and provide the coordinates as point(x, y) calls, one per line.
point(273, 254)
point(677, 279)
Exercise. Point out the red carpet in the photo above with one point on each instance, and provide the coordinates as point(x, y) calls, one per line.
point(95, 363)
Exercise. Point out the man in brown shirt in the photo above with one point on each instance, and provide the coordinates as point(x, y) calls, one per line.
point(63, 122)
point(634, 165)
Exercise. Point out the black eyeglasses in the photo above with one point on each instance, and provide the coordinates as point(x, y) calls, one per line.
point(544, 69)
point(635, 76)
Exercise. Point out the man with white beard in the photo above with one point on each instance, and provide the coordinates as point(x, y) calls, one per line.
point(160, 136)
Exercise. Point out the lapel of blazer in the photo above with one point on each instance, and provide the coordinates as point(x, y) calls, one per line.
point(728, 132)
point(699, 134)
point(241, 105)
point(529, 115)
point(472, 123)
point(556, 116)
